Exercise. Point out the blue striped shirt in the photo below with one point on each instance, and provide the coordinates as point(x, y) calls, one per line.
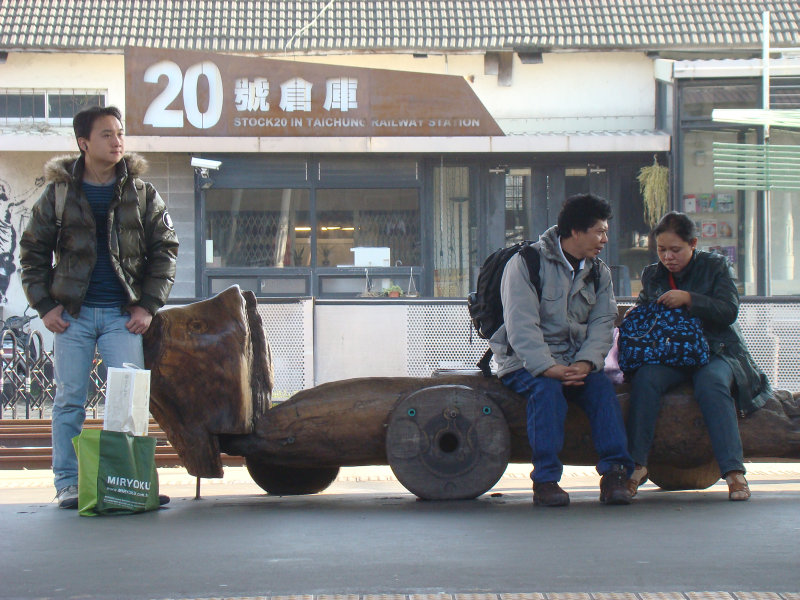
point(105, 288)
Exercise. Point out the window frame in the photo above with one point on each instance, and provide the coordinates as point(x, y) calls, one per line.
point(47, 92)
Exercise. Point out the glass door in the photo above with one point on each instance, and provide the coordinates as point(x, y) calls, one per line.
point(454, 231)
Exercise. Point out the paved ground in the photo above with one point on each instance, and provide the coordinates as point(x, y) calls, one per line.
point(366, 538)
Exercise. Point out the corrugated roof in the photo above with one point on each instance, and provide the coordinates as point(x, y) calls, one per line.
point(269, 27)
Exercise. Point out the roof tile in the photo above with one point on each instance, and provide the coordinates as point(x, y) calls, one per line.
point(274, 26)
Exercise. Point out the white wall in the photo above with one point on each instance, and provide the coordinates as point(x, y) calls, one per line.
point(587, 91)
point(581, 91)
point(362, 341)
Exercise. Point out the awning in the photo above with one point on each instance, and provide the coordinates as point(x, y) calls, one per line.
point(601, 141)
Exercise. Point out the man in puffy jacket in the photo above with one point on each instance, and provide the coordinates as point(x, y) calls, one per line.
point(552, 349)
point(97, 277)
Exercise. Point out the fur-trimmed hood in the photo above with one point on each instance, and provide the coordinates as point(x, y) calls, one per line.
point(68, 168)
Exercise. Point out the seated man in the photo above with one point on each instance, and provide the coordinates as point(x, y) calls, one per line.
point(552, 349)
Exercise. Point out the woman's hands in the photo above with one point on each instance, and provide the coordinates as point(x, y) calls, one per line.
point(675, 299)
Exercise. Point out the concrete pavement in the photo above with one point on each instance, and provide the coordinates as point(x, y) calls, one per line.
point(367, 538)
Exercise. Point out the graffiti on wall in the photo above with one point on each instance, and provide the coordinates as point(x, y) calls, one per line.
point(14, 215)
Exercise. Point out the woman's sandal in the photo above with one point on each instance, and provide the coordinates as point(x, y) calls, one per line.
point(638, 478)
point(738, 490)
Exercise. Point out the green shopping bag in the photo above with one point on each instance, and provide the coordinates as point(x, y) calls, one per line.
point(116, 473)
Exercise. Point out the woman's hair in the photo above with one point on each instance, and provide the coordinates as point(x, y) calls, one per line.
point(675, 222)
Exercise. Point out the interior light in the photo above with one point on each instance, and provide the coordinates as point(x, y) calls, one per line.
point(302, 228)
point(348, 228)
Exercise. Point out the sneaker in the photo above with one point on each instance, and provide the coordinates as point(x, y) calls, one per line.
point(549, 494)
point(163, 499)
point(614, 486)
point(68, 497)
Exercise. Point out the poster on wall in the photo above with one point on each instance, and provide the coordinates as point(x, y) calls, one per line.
point(184, 93)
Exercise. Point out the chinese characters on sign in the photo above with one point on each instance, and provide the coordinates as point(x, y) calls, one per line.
point(252, 95)
point(340, 94)
point(190, 93)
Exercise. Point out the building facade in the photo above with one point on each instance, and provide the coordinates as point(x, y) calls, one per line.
point(343, 150)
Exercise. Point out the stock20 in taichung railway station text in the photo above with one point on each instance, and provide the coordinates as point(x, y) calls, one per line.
point(172, 93)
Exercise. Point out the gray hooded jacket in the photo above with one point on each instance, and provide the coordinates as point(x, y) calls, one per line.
point(571, 322)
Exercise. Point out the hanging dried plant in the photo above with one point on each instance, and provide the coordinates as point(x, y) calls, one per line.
point(654, 186)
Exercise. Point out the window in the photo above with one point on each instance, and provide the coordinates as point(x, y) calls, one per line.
point(454, 231)
point(257, 228)
point(52, 106)
point(725, 219)
point(784, 240)
point(518, 184)
point(368, 227)
point(697, 102)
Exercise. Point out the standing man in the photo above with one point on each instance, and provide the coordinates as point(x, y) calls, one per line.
point(552, 349)
point(96, 273)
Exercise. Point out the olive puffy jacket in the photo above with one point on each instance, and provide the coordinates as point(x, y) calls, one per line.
point(715, 301)
point(143, 251)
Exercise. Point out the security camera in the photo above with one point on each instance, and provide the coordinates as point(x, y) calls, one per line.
point(205, 163)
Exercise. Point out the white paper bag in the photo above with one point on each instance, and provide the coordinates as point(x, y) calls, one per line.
point(127, 400)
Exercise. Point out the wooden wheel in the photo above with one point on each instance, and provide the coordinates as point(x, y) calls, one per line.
point(674, 478)
point(447, 442)
point(278, 480)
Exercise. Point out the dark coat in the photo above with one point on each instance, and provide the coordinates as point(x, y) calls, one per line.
point(715, 301)
point(143, 251)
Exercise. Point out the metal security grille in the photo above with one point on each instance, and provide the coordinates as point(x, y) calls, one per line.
point(287, 326)
point(440, 336)
point(397, 230)
point(772, 333)
point(246, 240)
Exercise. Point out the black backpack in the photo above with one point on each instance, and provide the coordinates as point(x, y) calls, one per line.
point(484, 304)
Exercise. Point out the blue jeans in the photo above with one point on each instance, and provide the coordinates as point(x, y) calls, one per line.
point(712, 391)
point(73, 354)
point(547, 412)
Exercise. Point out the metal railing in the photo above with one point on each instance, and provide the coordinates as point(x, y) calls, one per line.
point(437, 335)
point(27, 385)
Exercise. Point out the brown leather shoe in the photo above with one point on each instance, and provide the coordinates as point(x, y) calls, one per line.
point(738, 490)
point(614, 486)
point(638, 478)
point(549, 494)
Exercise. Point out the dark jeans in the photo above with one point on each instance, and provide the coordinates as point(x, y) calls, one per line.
point(712, 390)
point(547, 411)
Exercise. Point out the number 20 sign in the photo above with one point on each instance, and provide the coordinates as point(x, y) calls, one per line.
point(158, 115)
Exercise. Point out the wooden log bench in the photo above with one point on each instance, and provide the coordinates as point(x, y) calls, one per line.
point(445, 438)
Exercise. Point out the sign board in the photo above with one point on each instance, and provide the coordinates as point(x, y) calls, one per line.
point(176, 93)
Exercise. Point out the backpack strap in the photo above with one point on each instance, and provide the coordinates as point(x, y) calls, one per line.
point(141, 195)
point(533, 260)
point(595, 274)
point(61, 199)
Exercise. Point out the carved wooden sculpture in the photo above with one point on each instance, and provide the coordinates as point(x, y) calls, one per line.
point(211, 374)
point(445, 437)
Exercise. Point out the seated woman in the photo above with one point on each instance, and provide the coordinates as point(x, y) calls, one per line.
point(730, 382)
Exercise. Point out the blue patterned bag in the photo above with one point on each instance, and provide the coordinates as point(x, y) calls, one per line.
point(653, 334)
